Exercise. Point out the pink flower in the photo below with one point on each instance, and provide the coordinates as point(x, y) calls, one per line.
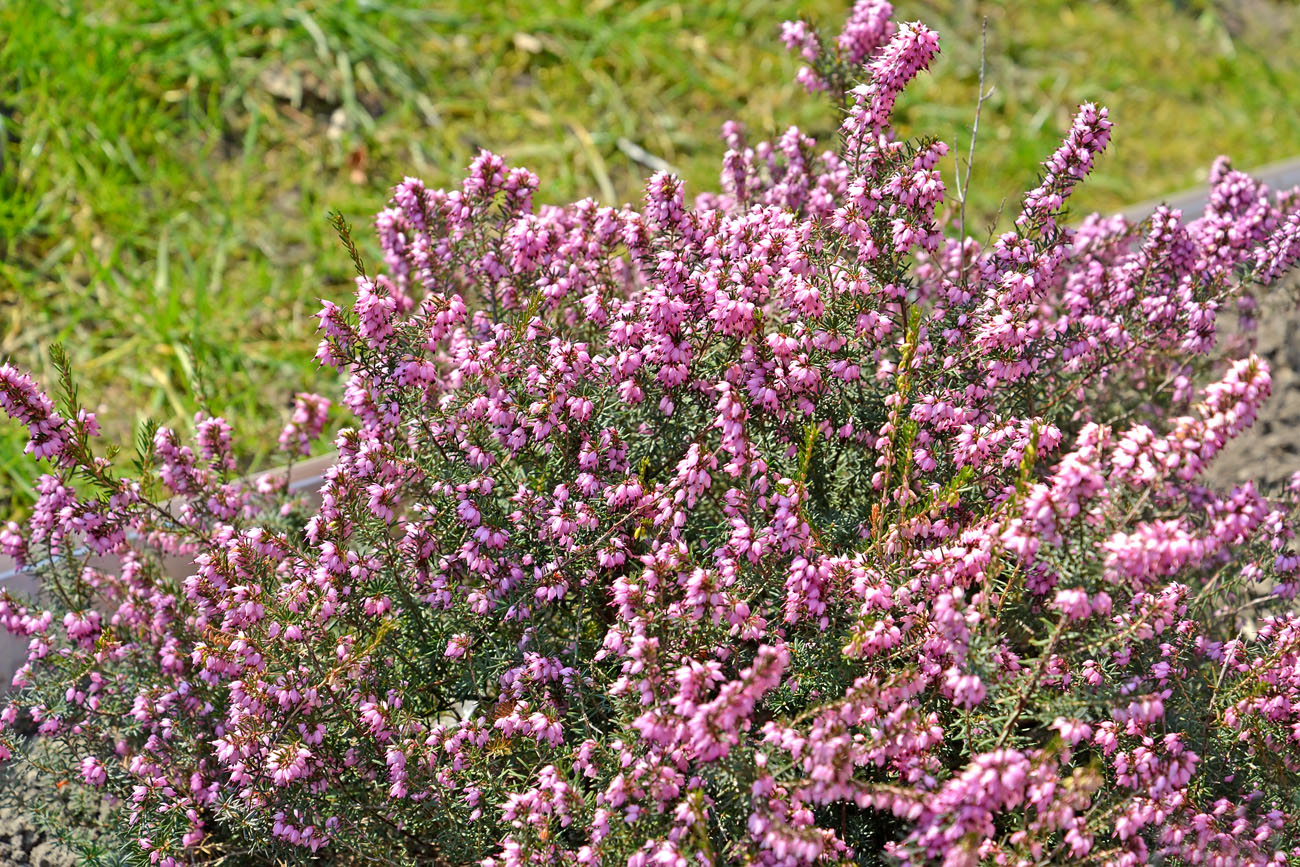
point(92, 771)
point(457, 646)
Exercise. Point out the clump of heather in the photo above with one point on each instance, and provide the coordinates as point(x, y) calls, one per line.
point(782, 527)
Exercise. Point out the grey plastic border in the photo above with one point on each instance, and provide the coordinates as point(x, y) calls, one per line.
point(1279, 176)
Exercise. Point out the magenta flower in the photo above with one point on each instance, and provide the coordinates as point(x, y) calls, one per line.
point(777, 526)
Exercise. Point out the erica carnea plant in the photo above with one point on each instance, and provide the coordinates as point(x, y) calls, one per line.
point(784, 527)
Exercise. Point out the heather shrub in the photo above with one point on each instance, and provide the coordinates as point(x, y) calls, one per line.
point(785, 526)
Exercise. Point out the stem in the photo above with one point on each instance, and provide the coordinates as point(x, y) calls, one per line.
point(963, 186)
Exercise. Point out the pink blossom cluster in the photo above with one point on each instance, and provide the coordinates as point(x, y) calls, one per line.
point(779, 526)
point(310, 412)
point(22, 400)
point(869, 26)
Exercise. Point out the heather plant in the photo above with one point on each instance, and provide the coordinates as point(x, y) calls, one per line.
point(786, 526)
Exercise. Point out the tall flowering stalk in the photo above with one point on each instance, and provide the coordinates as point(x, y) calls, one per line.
point(780, 527)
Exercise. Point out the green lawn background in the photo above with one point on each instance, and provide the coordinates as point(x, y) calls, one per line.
point(166, 168)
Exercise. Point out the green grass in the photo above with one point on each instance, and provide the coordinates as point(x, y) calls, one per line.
point(168, 167)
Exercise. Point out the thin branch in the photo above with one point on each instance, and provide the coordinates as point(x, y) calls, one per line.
point(963, 186)
point(344, 231)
